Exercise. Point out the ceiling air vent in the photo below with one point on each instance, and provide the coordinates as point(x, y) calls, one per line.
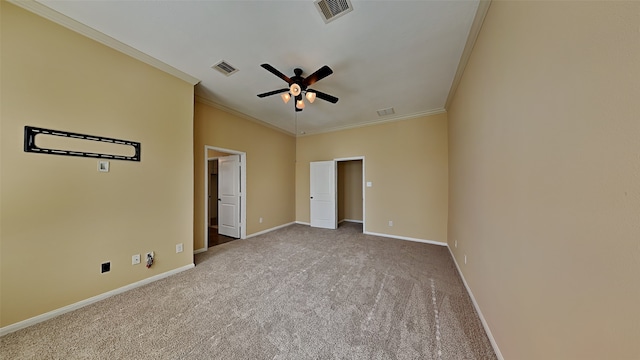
point(333, 9)
point(385, 112)
point(225, 68)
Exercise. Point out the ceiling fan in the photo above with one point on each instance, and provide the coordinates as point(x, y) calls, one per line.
point(298, 86)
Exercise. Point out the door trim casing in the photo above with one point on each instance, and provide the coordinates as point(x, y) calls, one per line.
point(243, 193)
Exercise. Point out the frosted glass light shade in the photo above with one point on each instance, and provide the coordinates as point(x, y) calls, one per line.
point(295, 89)
point(311, 96)
point(300, 104)
point(285, 97)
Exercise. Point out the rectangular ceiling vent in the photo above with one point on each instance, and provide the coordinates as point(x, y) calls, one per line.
point(385, 112)
point(333, 9)
point(225, 68)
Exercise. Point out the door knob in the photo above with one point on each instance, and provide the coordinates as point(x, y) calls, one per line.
point(312, 197)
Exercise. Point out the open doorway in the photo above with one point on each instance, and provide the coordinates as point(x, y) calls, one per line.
point(225, 200)
point(350, 192)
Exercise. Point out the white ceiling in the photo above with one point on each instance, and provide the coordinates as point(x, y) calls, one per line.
point(400, 54)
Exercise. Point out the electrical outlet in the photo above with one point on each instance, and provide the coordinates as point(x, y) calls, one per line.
point(465, 259)
point(135, 259)
point(105, 267)
point(390, 223)
point(260, 220)
point(455, 243)
point(179, 248)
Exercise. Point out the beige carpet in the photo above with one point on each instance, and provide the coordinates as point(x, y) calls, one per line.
point(294, 293)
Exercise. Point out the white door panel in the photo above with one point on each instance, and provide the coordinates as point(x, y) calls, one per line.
point(323, 194)
point(229, 196)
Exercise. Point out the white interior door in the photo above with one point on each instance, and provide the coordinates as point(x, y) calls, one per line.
point(323, 195)
point(229, 196)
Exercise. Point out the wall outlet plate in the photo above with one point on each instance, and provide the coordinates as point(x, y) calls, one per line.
point(135, 259)
point(179, 248)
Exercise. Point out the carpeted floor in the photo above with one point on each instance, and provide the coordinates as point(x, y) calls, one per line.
point(294, 293)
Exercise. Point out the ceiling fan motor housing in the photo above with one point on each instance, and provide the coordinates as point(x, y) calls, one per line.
point(297, 80)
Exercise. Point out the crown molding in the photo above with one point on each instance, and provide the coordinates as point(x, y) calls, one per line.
point(378, 122)
point(60, 19)
point(476, 26)
point(209, 102)
point(219, 106)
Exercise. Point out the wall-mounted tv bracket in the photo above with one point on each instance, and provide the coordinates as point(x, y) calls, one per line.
point(30, 133)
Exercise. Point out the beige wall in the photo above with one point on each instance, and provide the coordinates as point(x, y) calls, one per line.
point(350, 190)
point(545, 168)
point(61, 218)
point(213, 153)
point(406, 161)
point(270, 167)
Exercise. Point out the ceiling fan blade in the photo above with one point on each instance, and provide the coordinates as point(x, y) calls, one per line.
point(277, 73)
point(323, 96)
point(320, 74)
point(272, 92)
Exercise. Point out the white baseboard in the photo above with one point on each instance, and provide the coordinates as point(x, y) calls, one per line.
point(477, 307)
point(199, 251)
point(51, 314)
point(349, 220)
point(269, 230)
point(432, 242)
point(303, 223)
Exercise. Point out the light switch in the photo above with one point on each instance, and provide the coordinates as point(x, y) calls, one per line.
point(103, 166)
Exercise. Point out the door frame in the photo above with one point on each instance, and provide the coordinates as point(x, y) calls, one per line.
point(364, 185)
point(243, 191)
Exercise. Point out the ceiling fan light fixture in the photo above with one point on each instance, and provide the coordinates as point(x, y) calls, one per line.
point(298, 86)
point(311, 96)
point(295, 89)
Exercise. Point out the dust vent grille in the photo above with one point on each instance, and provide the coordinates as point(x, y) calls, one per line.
point(385, 112)
point(225, 68)
point(333, 9)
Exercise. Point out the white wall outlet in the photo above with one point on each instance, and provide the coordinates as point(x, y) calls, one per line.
point(455, 243)
point(465, 259)
point(179, 248)
point(390, 222)
point(369, 184)
point(260, 220)
point(135, 259)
